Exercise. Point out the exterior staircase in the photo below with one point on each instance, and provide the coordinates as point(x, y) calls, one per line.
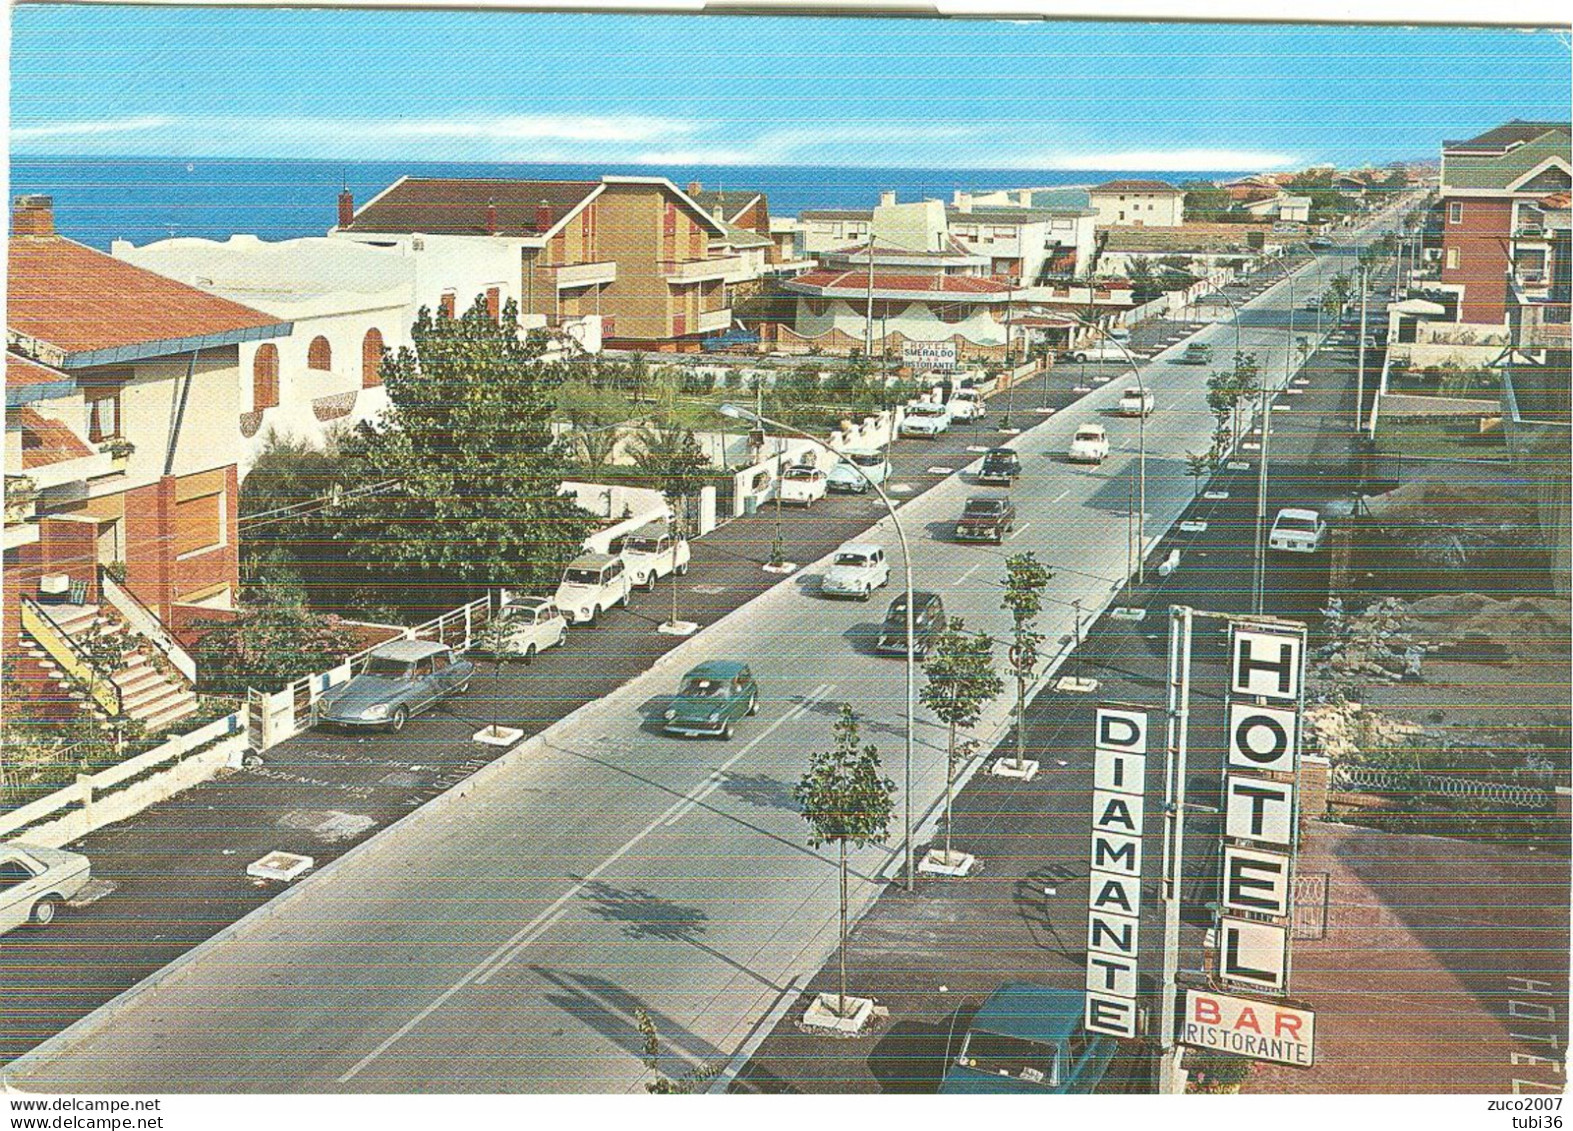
point(150, 693)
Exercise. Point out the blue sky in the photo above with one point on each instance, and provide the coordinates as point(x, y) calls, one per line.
point(500, 86)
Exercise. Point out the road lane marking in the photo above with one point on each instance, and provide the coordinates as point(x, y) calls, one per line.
point(1060, 496)
point(969, 573)
point(1022, 529)
point(509, 950)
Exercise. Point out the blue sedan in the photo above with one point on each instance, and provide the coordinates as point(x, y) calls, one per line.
point(400, 679)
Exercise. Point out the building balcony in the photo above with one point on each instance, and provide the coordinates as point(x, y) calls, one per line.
point(65, 471)
point(19, 534)
point(583, 274)
point(697, 270)
point(714, 321)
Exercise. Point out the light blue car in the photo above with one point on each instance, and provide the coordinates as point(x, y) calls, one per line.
point(400, 679)
point(858, 468)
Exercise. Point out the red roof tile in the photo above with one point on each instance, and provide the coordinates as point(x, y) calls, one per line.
point(1136, 186)
point(46, 441)
point(79, 300)
point(22, 371)
point(458, 206)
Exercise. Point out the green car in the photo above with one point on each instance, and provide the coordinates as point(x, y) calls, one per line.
point(1029, 1040)
point(711, 699)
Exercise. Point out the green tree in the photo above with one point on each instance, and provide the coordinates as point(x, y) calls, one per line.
point(1198, 464)
point(845, 799)
point(497, 641)
point(1025, 580)
point(962, 681)
point(467, 436)
point(277, 641)
point(1144, 282)
point(670, 455)
point(1205, 202)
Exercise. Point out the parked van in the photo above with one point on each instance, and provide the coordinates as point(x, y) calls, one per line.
point(592, 584)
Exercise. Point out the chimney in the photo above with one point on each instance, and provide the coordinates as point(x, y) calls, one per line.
point(491, 217)
point(695, 186)
point(346, 208)
point(33, 216)
point(886, 199)
point(543, 217)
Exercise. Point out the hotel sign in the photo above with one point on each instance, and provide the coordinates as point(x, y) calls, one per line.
point(929, 357)
point(1114, 896)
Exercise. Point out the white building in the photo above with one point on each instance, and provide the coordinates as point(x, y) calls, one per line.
point(1283, 208)
point(1026, 245)
point(1139, 204)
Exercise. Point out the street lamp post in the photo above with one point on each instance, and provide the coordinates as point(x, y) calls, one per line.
point(736, 412)
point(1259, 558)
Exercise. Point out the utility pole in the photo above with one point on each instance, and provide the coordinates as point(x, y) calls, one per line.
point(1259, 572)
point(1360, 364)
point(1179, 699)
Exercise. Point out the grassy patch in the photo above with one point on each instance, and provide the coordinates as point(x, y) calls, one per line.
point(1441, 438)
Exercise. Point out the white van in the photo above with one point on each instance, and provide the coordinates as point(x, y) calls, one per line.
point(592, 584)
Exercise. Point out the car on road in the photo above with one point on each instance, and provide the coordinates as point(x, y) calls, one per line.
point(1137, 401)
point(928, 617)
point(533, 624)
point(35, 881)
point(592, 584)
point(1000, 465)
point(1101, 352)
point(858, 468)
point(1317, 243)
point(856, 570)
point(1197, 353)
point(966, 404)
point(400, 679)
point(653, 552)
point(925, 420)
point(710, 700)
point(1028, 1039)
point(1090, 444)
point(986, 518)
point(1297, 530)
point(803, 485)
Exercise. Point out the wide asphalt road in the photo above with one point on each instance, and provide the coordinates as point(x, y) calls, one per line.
point(500, 939)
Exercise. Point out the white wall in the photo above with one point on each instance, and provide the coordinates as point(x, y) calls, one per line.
point(918, 322)
point(1147, 209)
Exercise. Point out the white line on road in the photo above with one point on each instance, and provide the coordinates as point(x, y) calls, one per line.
point(1022, 529)
point(974, 569)
point(1060, 496)
point(537, 926)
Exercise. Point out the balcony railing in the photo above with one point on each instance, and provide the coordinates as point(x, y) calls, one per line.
point(714, 321)
point(584, 274)
point(693, 270)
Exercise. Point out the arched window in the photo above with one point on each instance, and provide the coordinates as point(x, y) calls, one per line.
point(371, 359)
point(319, 355)
point(265, 378)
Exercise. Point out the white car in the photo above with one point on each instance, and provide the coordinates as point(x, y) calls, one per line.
point(534, 624)
point(1090, 444)
point(966, 404)
point(1101, 352)
point(650, 553)
point(856, 570)
point(1297, 530)
point(803, 485)
point(858, 468)
point(926, 420)
point(35, 881)
point(591, 585)
point(1137, 401)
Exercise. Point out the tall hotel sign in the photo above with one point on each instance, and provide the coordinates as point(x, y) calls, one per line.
point(1114, 897)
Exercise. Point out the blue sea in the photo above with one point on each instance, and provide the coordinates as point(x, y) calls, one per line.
point(143, 199)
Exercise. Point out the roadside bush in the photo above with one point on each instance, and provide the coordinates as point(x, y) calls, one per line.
point(279, 640)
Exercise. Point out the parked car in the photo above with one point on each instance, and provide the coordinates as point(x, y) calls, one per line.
point(1000, 465)
point(534, 624)
point(858, 468)
point(1090, 444)
point(1104, 351)
point(592, 584)
point(928, 617)
point(35, 881)
point(925, 420)
point(1197, 353)
point(1137, 401)
point(1319, 242)
point(966, 404)
point(1029, 1039)
point(803, 485)
point(857, 569)
point(648, 555)
point(1297, 530)
point(710, 700)
point(400, 679)
point(986, 518)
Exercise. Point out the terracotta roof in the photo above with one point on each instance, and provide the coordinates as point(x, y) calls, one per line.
point(1557, 200)
point(80, 301)
point(46, 441)
point(888, 281)
point(442, 206)
point(1136, 186)
point(22, 371)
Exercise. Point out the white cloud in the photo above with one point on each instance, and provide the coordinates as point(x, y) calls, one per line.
point(81, 129)
point(1177, 160)
point(623, 129)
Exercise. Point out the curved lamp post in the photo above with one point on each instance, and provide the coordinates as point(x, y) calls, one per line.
point(1141, 443)
point(736, 412)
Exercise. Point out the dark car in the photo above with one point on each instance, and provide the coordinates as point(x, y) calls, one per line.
point(987, 518)
point(927, 619)
point(1028, 1039)
point(712, 698)
point(400, 679)
point(1000, 465)
point(1197, 353)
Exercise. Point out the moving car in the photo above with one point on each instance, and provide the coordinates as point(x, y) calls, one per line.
point(1090, 444)
point(803, 485)
point(858, 468)
point(928, 617)
point(400, 679)
point(591, 585)
point(710, 700)
point(1297, 530)
point(648, 555)
point(1197, 353)
point(925, 420)
point(1319, 242)
point(534, 624)
point(1000, 465)
point(966, 404)
point(1029, 1039)
point(1137, 401)
point(35, 881)
point(986, 518)
point(857, 569)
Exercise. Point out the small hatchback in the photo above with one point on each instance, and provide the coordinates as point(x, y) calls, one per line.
point(591, 585)
point(1029, 1040)
point(928, 617)
point(712, 697)
point(1000, 465)
point(532, 625)
point(35, 881)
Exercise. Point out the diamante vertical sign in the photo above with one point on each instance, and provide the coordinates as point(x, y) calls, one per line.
point(1114, 893)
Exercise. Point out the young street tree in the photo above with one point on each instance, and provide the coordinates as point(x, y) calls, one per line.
point(1025, 580)
point(673, 458)
point(496, 640)
point(844, 798)
point(467, 436)
point(962, 681)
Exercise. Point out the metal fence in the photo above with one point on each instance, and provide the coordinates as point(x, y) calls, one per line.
point(1367, 779)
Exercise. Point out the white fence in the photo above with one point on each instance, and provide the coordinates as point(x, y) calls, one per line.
point(122, 791)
